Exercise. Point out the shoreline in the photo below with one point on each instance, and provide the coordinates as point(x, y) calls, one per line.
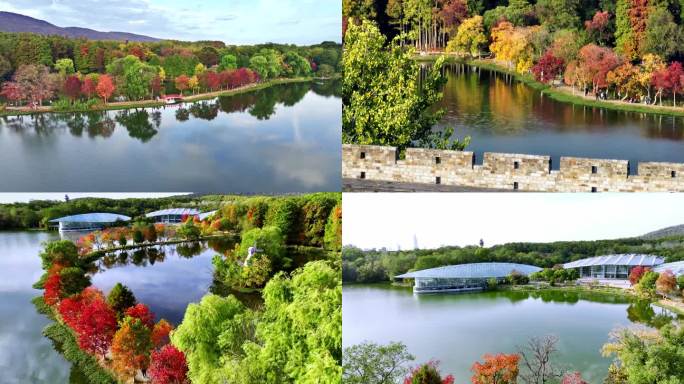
point(560, 94)
point(153, 103)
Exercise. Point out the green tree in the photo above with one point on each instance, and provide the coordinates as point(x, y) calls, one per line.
point(64, 67)
point(662, 36)
point(299, 335)
point(296, 65)
point(259, 64)
point(269, 241)
point(212, 334)
point(121, 298)
point(370, 363)
point(32, 50)
point(383, 101)
point(647, 285)
point(558, 14)
point(228, 62)
point(648, 357)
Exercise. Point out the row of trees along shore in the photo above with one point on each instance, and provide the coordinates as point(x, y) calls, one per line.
point(78, 72)
point(626, 50)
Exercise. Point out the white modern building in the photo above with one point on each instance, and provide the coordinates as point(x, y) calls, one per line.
point(176, 215)
point(676, 267)
point(612, 266)
point(463, 277)
point(89, 221)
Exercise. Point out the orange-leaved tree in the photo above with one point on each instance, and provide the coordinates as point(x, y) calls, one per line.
point(496, 369)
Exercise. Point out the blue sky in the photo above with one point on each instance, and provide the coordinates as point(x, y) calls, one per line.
point(231, 21)
point(391, 220)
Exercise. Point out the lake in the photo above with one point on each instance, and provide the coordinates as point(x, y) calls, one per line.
point(504, 115)
point(285, 138)
point(457, 329)
point(166, 278)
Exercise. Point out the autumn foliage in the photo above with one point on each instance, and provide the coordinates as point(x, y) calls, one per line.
point(427, 374)
point(95, 327)
point(168, 366)
point(666, 283)
point(496, 369)
point(160, 333)
point(105, 87)
point(547, 68)
point(573, 378)
point(636, 273)
point(131, 347)
point(142, 312)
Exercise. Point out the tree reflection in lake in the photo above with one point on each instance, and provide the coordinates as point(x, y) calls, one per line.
point(502, 114)
point(278, 139)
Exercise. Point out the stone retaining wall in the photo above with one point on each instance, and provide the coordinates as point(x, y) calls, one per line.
point(508, 171)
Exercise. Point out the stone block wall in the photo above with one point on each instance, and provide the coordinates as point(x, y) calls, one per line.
point(508, 171)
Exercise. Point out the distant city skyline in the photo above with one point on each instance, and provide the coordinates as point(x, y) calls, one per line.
point(396, 221)
point(301, 22)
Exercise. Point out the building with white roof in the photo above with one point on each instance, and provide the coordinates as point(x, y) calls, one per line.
point(463, 277)
point(89, 221)
point(613, 266)
point(176, 215)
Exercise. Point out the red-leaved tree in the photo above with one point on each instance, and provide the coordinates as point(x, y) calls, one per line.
point(597, 27)
point(88, 87)
point(548, 67)
point(72, 87)
point(496, 369)
point(142, 312)
point(53, 286)
point(105, 87)
point(95, 327)
point(636, 273)
point(12, 92)
point(168, 366)
point(182, 83)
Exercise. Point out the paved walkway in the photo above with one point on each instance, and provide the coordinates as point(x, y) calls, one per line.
point(358, 185)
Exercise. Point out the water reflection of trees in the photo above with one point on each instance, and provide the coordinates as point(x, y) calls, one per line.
point(137, 122)
point(496, 102)
point(261, 104)
point(327, 88)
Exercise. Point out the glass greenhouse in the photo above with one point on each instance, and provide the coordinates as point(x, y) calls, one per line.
point(612, 266)
point(176, 215)
point(463, 277)
point(677, 268)
point(89, 221)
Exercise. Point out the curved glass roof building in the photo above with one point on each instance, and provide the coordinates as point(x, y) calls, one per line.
point(677, 268)
point(463, 277)
point(613, 266)
point(175, 215)
point(88, 221)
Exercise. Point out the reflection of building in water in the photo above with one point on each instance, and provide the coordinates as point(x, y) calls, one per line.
point(177, 215)
point(464, 277)
point(612, 266)
point(88, 221)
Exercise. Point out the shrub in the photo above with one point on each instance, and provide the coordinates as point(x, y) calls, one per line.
point(427, 374)
point(647, 284)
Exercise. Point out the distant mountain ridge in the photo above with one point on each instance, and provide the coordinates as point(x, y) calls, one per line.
point(675, 230)
point(14, 22)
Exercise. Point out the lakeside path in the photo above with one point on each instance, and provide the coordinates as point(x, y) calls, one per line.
point(561, 93)
point(118, 105)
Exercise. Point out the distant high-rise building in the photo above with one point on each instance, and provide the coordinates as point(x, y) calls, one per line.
point(415, 241)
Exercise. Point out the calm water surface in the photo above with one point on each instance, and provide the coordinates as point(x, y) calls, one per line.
point(284, 138)
point(503, 115)
point(26, 356)
point(166, 278)
point(457, 329)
